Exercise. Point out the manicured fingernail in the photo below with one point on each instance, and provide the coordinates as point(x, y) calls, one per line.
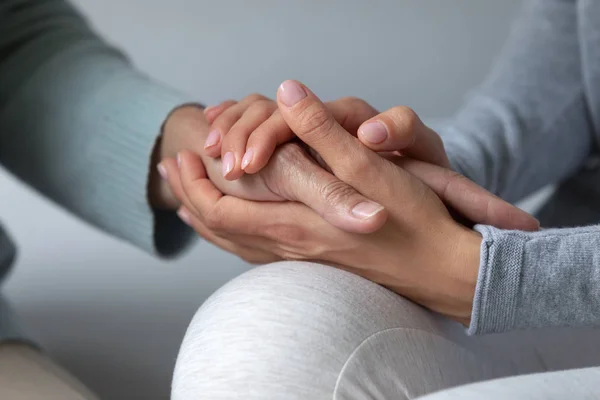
point(162, 171)
point(184, 215)
point(228, 163)
point(207, 109)
point(291, 92)
point(179, 160)
point(366, 210)
point(374, 132)
point(247, 159)
point(213, 138)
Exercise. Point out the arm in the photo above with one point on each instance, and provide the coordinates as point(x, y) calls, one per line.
point(537, 279)
point(528, 124)
point(79, 123)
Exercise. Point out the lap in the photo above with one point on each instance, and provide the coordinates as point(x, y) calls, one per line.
point(575, 384)
point(311, 331)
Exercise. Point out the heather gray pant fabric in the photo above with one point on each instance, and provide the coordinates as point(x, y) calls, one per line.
point(575, 384)
point(306, 331)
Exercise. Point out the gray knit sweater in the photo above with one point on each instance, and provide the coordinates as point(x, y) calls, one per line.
point(535, 121)
point(78, 123)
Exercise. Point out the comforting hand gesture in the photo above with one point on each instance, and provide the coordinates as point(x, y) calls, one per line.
point(421, 252)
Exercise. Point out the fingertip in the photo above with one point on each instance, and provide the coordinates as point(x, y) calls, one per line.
point(291, 92)
point(230, 168)
point(212, 145)
point(211, 113)
point(247, 158)
point(259, 159)
point(373, 133)
point(370, 215)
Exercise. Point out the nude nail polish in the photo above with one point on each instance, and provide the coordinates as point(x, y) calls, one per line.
point(213, 138)
point(228, 163)
point(247, 159)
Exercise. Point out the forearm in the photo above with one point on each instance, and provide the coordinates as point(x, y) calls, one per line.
point(77, 121)
point(527, 125)
point(541, 279)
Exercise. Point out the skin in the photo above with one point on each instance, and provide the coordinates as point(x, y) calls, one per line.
point(292, 176)
point(421, 252)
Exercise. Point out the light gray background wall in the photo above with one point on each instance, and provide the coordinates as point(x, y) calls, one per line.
point(115, 316)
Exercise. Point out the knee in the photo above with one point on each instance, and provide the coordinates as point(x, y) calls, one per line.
point(290, 327)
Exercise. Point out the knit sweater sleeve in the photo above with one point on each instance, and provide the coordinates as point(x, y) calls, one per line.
point(79, 123)
point(527, 125)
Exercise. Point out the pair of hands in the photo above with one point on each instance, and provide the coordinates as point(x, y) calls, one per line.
point(420, 251)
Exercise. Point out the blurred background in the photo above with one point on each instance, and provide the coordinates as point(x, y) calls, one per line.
point(113, 315)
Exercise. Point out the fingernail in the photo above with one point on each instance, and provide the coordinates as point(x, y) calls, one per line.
point(228, 163)
point(179, 160)
point(247, 159)
point(374, 132)
point(184, 215)
point(213, 138)
point(162, 171)
point(207, 109)
point(291, 92)
point(366, 210)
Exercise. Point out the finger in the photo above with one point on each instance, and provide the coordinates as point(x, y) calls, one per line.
point(211, 113)
point(168, 201)
point(248, 254)
point(263, 142)
point(298, 178)
point(172, 177)
point(223, 123)
point(252, 248)
point(177, 189)
point(469, 199)
point(350, 161)
point(401, 129)
point(195, 184)
point(351, 112)
point(236, 141)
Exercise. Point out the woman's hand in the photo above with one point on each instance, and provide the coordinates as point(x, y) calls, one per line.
point(421, 252)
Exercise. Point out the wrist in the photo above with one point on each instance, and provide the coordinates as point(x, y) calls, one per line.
point(182, 129)
point(466, 266)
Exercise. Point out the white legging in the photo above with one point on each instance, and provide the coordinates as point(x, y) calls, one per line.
point(296, 330)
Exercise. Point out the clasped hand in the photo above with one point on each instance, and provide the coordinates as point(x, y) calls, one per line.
point(403, 236)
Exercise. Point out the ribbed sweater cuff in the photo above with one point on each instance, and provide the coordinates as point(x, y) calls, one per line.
point(133, 109)
point(499, 281)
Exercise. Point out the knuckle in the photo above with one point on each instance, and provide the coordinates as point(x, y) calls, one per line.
point(213, 219)
point(262, 109)
point(290, 155)
point(360, 165)
point(405, 119)
point(254, 97)
point(283, 173)
point(453, 179)
point(336, 192)
point(315, 122)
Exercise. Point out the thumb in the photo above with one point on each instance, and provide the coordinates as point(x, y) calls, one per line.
point(401, 129)
point(298, 178)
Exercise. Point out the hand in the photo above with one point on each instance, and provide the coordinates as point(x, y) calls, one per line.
point(291, 176)
point(432, 246)
point(245, 134)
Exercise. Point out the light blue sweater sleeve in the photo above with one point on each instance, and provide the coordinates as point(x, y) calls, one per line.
point(79, 123)
point(527, 126)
